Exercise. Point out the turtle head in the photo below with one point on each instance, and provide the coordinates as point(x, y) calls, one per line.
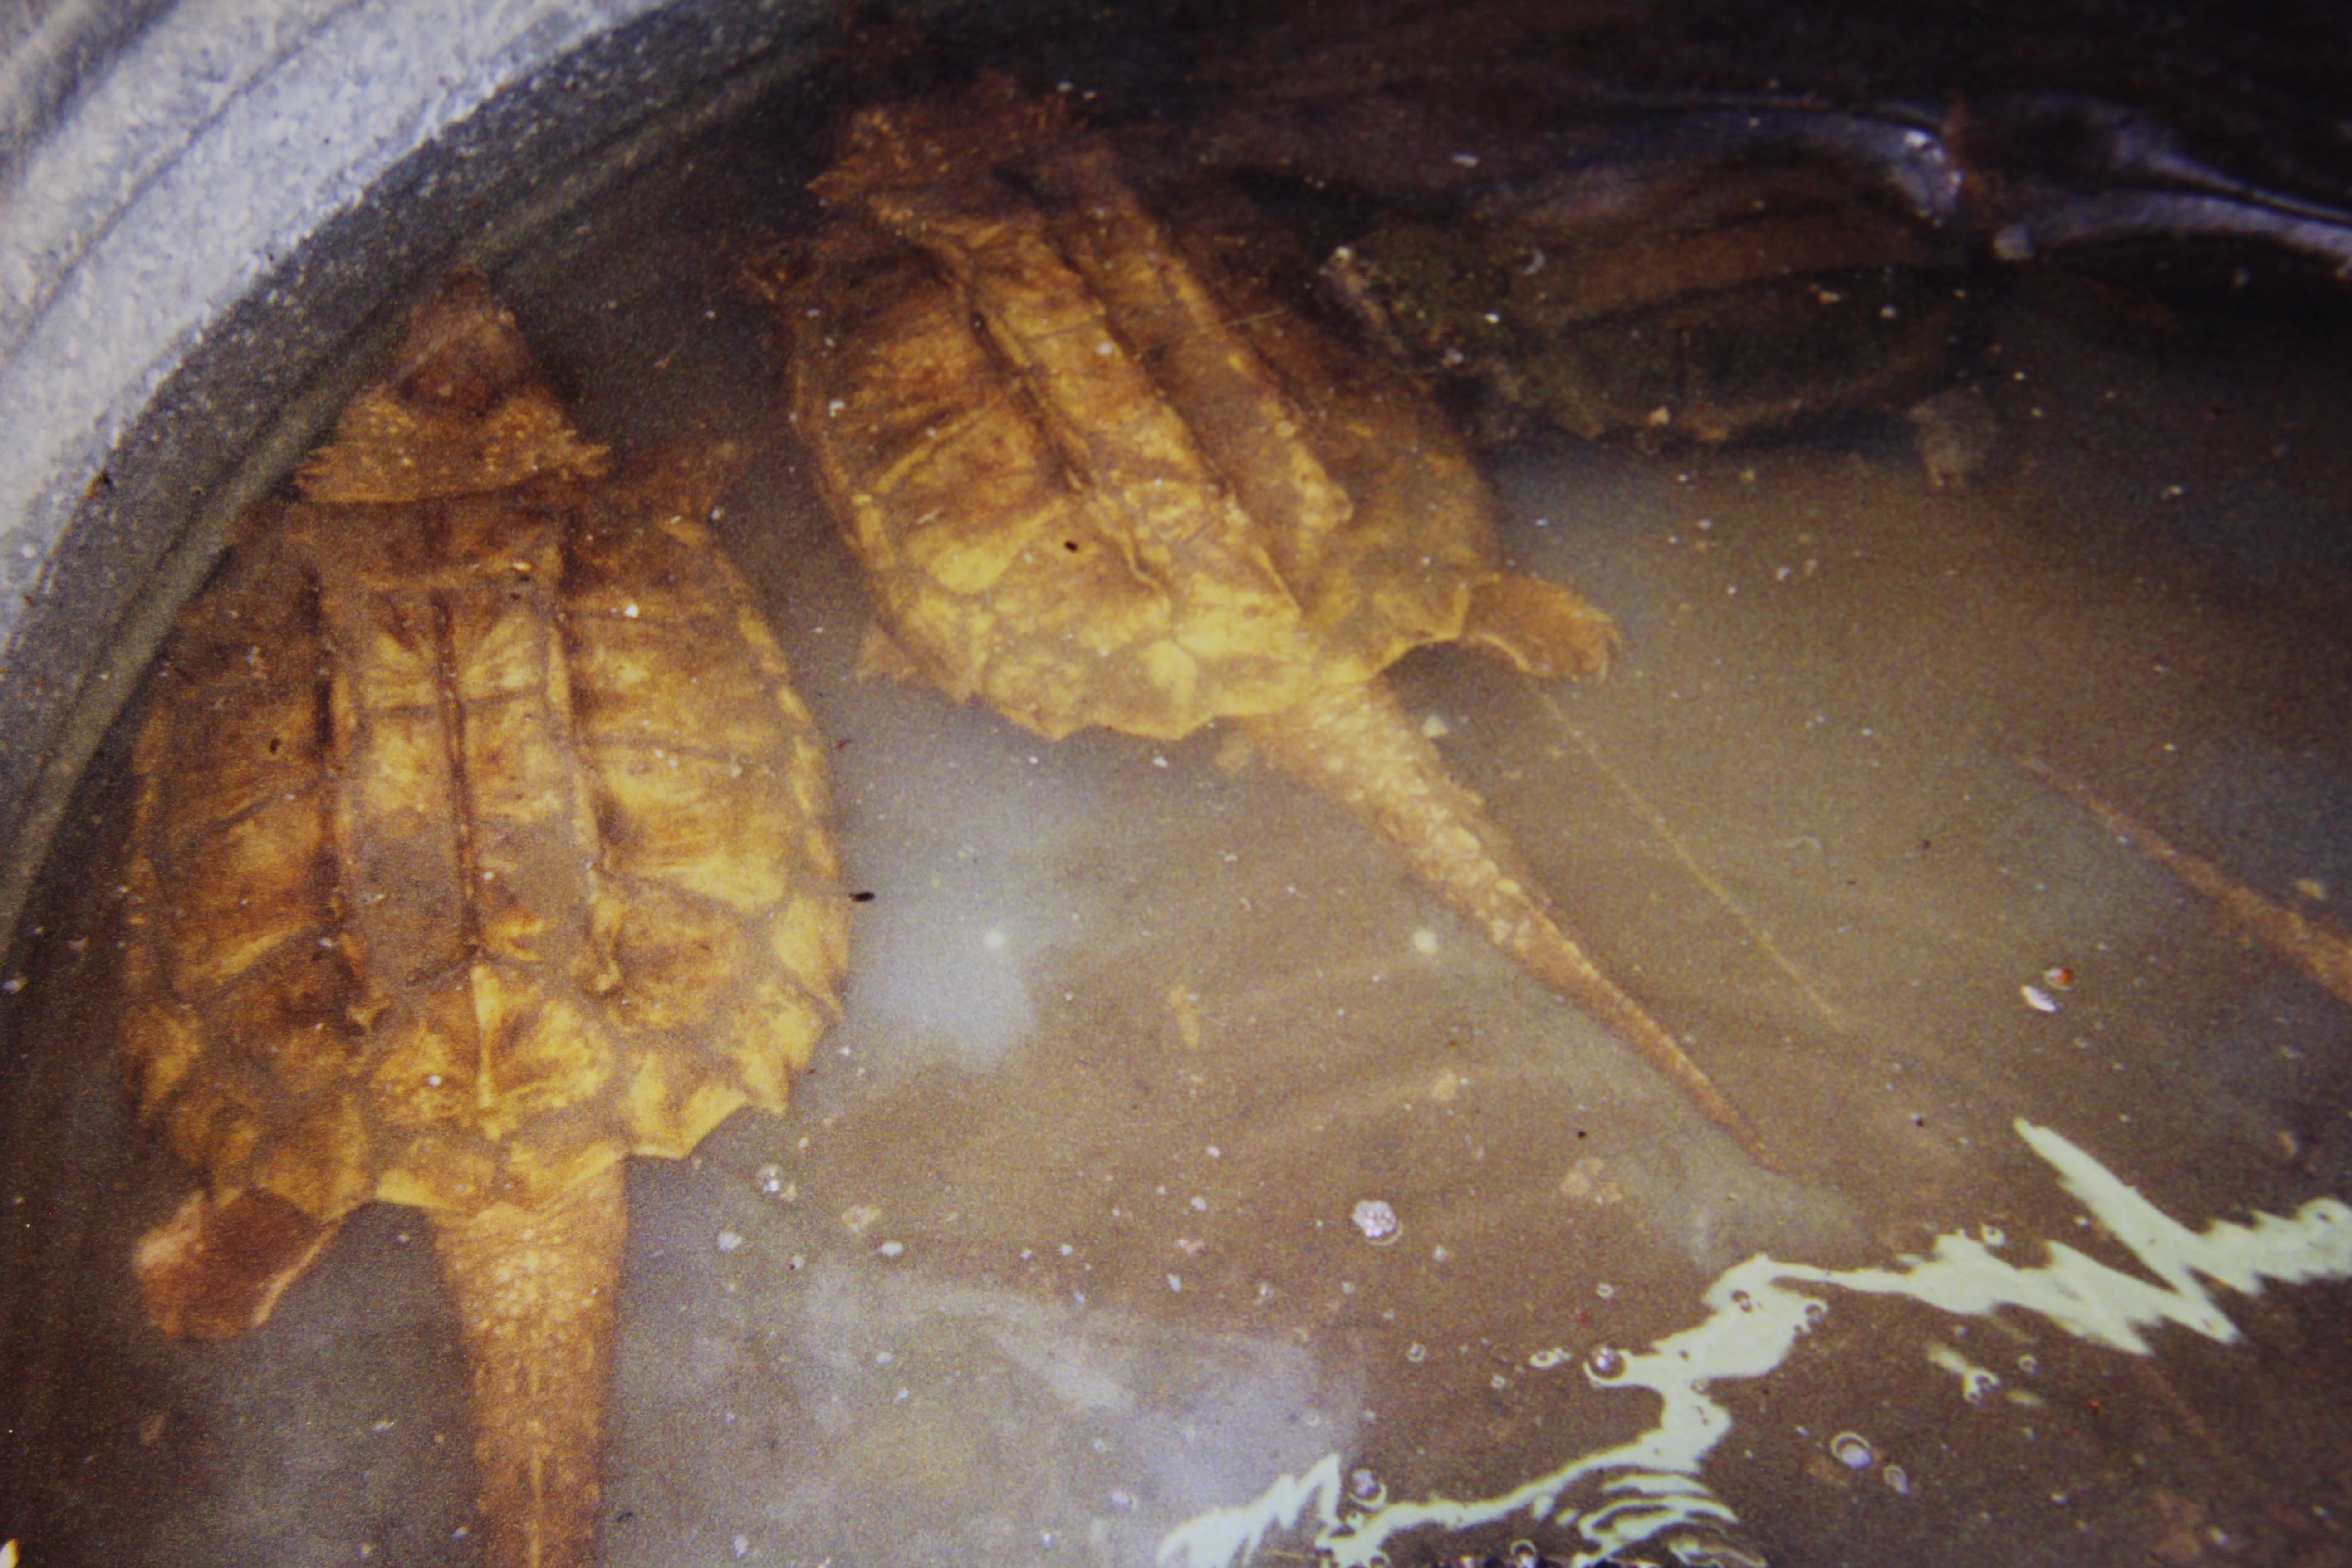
point(462, 352)
point(461, 409)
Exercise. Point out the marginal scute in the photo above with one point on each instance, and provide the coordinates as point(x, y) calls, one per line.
point(318, 1161)
point(806, 937)
point(161, 1042)
point(547, 1159)
point(668, 1116)
point(772, 1039)
point(542, 1049)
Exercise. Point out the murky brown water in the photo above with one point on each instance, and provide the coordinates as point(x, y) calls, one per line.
point(1056, 1253)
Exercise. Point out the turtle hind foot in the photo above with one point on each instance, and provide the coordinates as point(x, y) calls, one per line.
point(1540, 629)
point(214, 1269)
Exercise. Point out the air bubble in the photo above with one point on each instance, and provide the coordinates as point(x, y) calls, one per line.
point(2028, 1364)
point(1815, 1311)
point(768, 1180)
point(1743, 1301)
point(1366, 1488)
point(1605, 1361)
point(1378, 1220)
point(1853, 1451)
point(1897, 1481)
point(1415, 1354)
point(1522, 1554)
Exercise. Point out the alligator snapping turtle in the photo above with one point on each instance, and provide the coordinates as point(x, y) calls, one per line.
point(1753, 327)
point(1097, 478)
point(480, 843)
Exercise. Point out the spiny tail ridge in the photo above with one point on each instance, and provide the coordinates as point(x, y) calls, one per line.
point(535, 1291)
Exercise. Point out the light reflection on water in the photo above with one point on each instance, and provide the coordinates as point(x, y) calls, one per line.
point(1651, 1488)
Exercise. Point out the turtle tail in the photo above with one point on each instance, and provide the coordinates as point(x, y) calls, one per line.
point(1355, 744)
point(535, 1290)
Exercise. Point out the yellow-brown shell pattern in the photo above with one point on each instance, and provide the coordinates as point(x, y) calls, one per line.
point(480, 842)
point(1096, 476)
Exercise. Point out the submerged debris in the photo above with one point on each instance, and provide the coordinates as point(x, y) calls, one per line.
point(2323, 952)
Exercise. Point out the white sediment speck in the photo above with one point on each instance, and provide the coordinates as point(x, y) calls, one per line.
point(1852, 1451)
point(1376, 1218)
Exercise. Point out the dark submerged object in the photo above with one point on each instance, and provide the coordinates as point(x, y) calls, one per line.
point(1671, 261)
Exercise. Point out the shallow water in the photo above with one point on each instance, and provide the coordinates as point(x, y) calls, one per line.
point(1056, 1258)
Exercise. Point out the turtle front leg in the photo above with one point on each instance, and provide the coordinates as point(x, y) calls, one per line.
point(535, 1289)
point(1355, 744)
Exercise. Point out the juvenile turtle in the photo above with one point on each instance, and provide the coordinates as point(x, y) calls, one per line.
point(480, 844)
point(1099, 477)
